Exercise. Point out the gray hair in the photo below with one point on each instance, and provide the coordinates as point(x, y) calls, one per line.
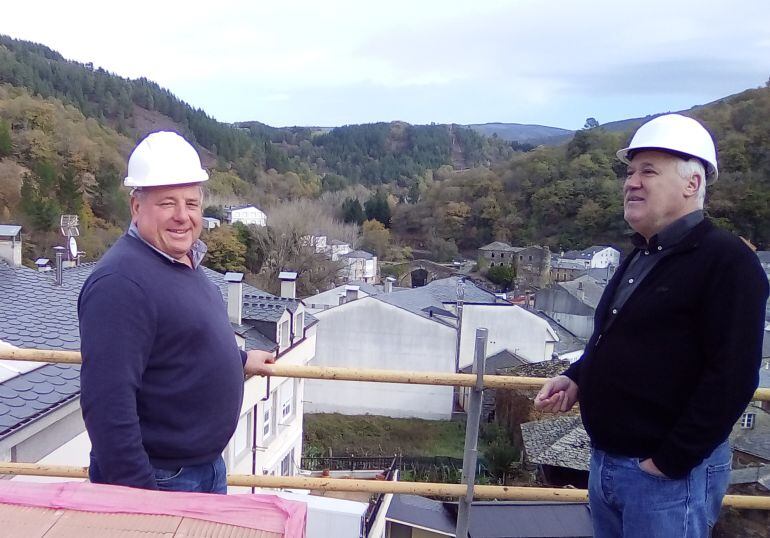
point(688, 168)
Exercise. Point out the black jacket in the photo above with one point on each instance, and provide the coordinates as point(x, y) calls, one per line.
point(670, 375)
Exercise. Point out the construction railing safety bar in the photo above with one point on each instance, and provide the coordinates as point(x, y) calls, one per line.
point(368, 486)
point(343, 374)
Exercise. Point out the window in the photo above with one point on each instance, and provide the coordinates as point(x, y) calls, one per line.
point(747, 421)
point(287, 464)
point(268, 418)
point(283, 332)
point(242, 436)
point(492, 264)
point(493, 254)
point(299, 325)
point(287, 399)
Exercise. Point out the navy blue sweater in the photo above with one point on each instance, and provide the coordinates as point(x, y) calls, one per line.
point(162, 376)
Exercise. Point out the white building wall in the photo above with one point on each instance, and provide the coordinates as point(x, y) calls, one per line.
point(248, 215)
point(286, 433)
point(603, 258)
point(369, 333)
point(511, 328)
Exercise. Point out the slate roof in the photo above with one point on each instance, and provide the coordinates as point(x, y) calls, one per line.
point(501, 359)
point(750, 475)
point(590, 293)
point(560, 442)
point(31, 394)
point(35, 313)
point(754, 441)
point(9, 230)
point(499, 245)
point(563, 263)
point(437, 293)
point(548, 368)
point(360, 254)
point(494, 519)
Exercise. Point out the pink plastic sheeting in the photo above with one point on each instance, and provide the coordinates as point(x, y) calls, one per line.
point(261, 512)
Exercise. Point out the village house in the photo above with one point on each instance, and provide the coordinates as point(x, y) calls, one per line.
point(245, 214)
point(572, 304)
point(594, 257)
point(360, 265)
point(415, 329)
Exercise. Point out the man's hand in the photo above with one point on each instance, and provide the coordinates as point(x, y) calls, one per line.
point(558, 394)
point(258, 362)
point(648, 466)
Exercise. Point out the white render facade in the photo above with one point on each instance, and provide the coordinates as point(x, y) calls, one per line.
point(369, 333)
point(604, 258)
point(248, 215)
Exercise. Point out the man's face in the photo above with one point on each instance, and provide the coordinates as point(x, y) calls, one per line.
point(654, 194)
point(169, 218)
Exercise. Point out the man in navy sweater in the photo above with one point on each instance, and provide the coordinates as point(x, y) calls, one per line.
point(162, 376)
point(675, 353)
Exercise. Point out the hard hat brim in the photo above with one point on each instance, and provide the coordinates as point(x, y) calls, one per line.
point(626, 154)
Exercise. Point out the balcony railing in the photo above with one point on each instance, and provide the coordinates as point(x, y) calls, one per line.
point(527, 493)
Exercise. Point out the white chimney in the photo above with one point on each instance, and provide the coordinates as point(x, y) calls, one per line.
point(388, 286)
point(10, 244)
point(43, 264)
point(351, 293)
point(234, 297)
point(288, 284)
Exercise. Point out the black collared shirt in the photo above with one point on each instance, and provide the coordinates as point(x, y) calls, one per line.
point(647, 255)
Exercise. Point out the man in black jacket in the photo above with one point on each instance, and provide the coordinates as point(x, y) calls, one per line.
point(675, 353)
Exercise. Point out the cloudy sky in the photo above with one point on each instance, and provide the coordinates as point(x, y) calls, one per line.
point(327, 63)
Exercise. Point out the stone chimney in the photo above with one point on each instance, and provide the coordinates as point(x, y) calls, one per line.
point(10, 244)
point(351, 293)
point(234, 297)
point(288, 284)
point(388, 286)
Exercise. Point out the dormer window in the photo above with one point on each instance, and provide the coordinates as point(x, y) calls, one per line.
point(299, 325)
point(283, 334)
point(747, 421)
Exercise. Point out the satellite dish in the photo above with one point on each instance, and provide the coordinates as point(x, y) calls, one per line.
point(73, 248)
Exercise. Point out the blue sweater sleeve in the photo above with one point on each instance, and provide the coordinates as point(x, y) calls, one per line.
point(117, 327)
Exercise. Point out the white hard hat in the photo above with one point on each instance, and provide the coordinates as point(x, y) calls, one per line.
point(677, 134)
point(164, 158)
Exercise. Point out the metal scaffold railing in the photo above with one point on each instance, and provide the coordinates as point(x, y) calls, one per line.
point(460, 491)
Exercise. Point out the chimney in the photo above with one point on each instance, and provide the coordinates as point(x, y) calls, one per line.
point(388, 286)
point(351, 293)
point(288, 284)
point(59, 273)
point(10, 244)
point(234, 297)
point(43, 264)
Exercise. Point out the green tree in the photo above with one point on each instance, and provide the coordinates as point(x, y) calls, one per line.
point(375, 238)
point(377, 208)
point(225, 251)
point(502, 275)
point(352, 211)
point(6, 145)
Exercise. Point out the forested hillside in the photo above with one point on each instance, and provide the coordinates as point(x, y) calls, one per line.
point(67, 128)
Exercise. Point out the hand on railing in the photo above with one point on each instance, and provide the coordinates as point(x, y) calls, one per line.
point(258, 362)
point(558, 394)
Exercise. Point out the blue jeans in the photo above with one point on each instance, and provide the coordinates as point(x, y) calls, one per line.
point(205, 478)
point(626, 501)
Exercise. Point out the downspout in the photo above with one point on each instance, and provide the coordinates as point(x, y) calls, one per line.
point(254, 447)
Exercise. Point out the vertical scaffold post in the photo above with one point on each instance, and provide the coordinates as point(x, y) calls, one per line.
point(472, 434)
